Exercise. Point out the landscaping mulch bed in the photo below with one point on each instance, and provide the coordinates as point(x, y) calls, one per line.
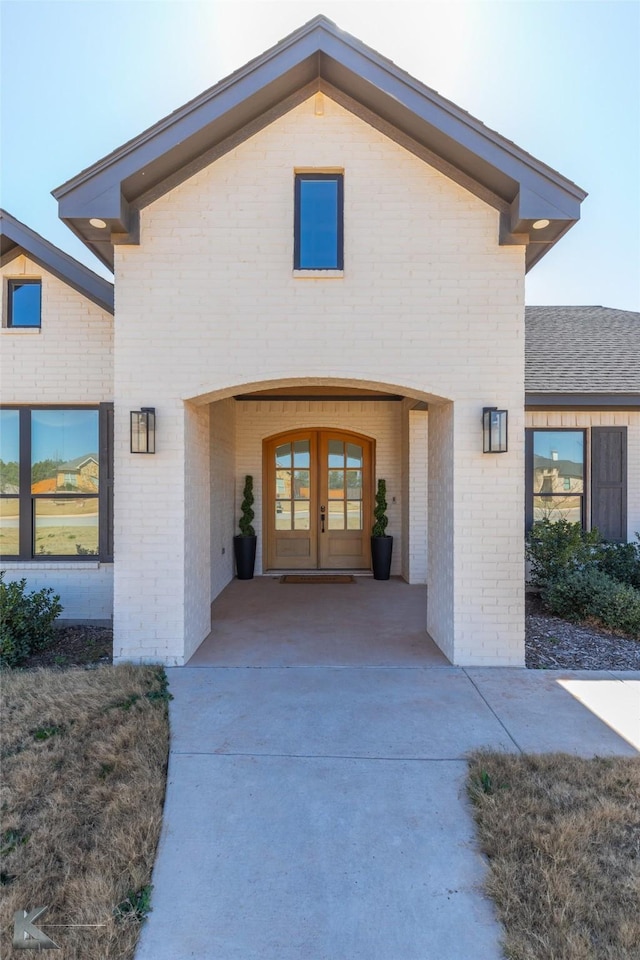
point(555, 644)
point(77, 645)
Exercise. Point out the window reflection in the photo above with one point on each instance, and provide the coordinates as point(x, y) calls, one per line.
point(558, 508)
point(336, 516)
point(336, 453)
point(354, 455)
point(317, 223)
point(64, 451)
point(301, 454)
point(9, 526)
point(557, 475)
point(283, 455)
point(558, 461)
point(65, 527)
point(9, 451)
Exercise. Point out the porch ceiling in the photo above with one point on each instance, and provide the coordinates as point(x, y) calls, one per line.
point(318, 393)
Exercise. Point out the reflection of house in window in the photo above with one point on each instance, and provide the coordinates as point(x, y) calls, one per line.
point(556, 476)
point(79, 474)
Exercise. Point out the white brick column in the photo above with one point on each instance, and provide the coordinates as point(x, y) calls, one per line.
point(417, 496)
point(475, 609)
point(149, 534)
point(197, 527)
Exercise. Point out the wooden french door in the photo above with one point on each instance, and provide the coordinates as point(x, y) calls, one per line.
point(317, 503)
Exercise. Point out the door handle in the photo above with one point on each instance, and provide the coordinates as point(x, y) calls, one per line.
point(322, 518)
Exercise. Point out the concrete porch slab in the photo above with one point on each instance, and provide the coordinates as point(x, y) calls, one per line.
point(265, 623)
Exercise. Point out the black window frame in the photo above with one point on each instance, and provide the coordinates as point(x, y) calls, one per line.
point(26, 498)
point(529, 463)
point(12, 283)
point(339, 180)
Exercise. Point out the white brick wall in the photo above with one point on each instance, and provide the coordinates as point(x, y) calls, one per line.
point(68, 360)
point(85, 589)
point(430, 306)
point(603, 418)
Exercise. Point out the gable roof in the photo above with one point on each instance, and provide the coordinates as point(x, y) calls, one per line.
point(592, 353)
point(319, 56)
point(16, 238)
point(77, 462)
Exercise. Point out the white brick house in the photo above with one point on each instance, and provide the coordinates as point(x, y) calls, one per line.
point(244, 351)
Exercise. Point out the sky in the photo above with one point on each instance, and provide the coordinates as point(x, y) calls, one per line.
point(561, 79)
point(55, 434)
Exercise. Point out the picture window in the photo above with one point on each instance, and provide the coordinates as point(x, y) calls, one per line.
point(318, 233)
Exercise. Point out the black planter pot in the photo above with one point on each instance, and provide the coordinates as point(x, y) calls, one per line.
point(245, 552)
point(381, 550)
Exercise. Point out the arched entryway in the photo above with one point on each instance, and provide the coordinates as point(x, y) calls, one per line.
point(317, 500)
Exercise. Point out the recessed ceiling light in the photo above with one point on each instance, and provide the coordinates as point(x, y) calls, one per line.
point(541, 224)
point(96, 222)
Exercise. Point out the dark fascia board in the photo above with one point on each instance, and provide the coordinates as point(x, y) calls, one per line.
point(113, 189)
point(586, 401)
point(17, 238)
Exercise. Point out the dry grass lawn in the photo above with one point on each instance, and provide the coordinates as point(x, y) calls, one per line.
point(562, 836)
point(83, 780)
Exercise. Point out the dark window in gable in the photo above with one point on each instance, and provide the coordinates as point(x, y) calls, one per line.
point(24, 303)
point(318, 232)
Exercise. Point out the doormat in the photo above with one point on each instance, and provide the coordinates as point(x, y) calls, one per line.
point(330, 578)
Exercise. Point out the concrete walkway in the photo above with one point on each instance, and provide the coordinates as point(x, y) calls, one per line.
point(319, 812)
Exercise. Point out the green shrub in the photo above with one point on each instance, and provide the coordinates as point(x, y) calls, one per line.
point(591, 593)
point(557, 549)
point(571, 595)
point(26, 620)
point(621, 561)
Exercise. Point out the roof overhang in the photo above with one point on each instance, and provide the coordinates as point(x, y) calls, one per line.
point(582, 401)
point(16, 239)
point(319, 56)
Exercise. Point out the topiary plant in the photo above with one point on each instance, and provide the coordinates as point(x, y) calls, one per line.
point(246, 530)
point(380, 512)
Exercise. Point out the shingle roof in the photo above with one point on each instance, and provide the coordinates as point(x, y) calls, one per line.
point(582, 350)
point(76, 463)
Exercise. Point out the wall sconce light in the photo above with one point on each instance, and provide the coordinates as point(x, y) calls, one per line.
point(143, 430)
point(494, 430)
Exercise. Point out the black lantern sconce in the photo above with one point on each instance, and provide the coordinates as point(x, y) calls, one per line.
point(494, 430)
point(143, 430)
